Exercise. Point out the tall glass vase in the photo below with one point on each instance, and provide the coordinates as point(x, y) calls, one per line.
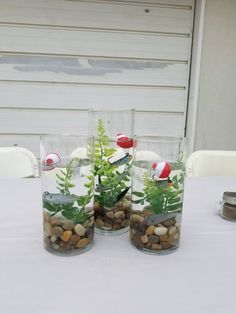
point(113, 131)
point(67, 193)
point(157, 194)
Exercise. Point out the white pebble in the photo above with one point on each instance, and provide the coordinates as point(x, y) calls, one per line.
point(79, 230)
point(160, 230)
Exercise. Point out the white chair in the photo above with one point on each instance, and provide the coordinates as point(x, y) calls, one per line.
point(211, 163)
point(17, 162)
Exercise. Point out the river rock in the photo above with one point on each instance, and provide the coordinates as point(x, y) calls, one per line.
point(156, 246)
point(160, 230)
point(79, 230)
point(144, 239)
point(66, 236)
point(110, 214)
point(47, 229)
point(153, 239)
point(99, 222)
point(119, 215)
point(150, 230)
point(82, 242)
point(57, 231)
point(137, 218)
point(172, 230)
point(68, 225)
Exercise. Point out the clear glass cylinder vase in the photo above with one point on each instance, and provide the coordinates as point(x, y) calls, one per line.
point(113, 132)
point(67, 193)
point(157, 194)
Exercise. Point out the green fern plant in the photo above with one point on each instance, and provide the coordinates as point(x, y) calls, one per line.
point(111, 183)
point(161, 196)
point(76, 209)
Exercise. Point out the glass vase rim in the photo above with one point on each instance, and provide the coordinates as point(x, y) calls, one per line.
point(158, 138)
point(67, 135)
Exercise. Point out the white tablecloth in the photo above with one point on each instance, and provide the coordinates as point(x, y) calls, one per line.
point(114, 277)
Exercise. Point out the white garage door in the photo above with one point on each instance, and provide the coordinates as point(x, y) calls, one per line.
point(59, 58)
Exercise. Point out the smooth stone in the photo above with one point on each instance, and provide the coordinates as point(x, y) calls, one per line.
point(55, 221)
point(125, 223)
point(155, 219)
point(110, 214)
point(53, 238)
point(178, 225)
point(57, 231)
point(160, 230)
point(83, 242)
point(137, 218)
point(68, 225)
point(79, 230)
point(165, 245)
point(55, 246)
point(171, 240)
point(153, 239)
point(74, 239)
point(169, 222)
point(164, 237)
point(156, 246)
point(150, 230)
point(66, 236)
point(119, 215)
point(47, 229)
point(46, 217)
point(99, 222)
point(172, 230)
point(144, 239)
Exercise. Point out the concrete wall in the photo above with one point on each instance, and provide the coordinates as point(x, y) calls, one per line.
point(216, 114)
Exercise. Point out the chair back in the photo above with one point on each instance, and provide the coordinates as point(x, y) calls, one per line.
point(17, 162)
point(211, 163)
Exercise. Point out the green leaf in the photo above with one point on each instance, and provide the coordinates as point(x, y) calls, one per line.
point(140, 201)
point(174, 207)
point(139, 194)
point(174, 200)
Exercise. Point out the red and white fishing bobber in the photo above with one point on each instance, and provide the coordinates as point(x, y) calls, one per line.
point(123, 141)
point(51, 161)
point(162, 170)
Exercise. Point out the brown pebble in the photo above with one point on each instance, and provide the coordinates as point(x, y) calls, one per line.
point(171, 240)
point(169, 222)
point(150, 230)
point(164, 237)
point(83, 242)
point(172, 230)
point(144, 238)
point(74, 239)
point(110, 214)
point(46, 217)
point(99, 222)
point(137, 218)
point(66, 236)
point(68, 225)
point(165, 245)
point(156, 246)
point(55, 221)
point(57, 231)
point(119, 215)
point(47, 229)
point(125, 223)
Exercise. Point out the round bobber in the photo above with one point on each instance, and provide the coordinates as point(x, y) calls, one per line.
point(162, 169)
point(50, 161)
point(123, 141)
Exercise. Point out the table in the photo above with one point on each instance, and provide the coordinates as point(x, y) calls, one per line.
point(114, 277)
